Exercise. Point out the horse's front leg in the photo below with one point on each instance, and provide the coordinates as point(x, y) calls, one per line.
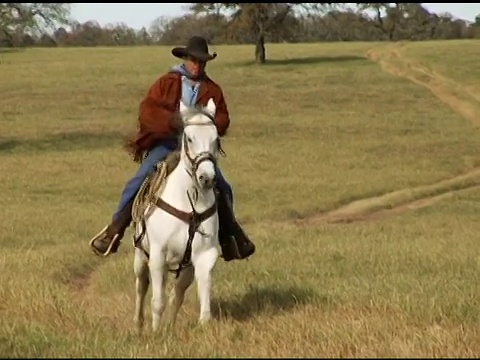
point(204, 262)
point(178, 292)
point(158, 273)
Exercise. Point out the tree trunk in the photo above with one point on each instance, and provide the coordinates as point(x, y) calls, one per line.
point(260, 55)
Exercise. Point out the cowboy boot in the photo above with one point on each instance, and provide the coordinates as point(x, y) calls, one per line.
point(108, 240)
point(234, 242)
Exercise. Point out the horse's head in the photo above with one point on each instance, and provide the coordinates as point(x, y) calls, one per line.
point(200, 143)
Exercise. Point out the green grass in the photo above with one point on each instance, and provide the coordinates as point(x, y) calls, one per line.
point(454, 59)
point(316, 128)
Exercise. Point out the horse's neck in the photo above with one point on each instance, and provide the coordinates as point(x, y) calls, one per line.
point(175, 191)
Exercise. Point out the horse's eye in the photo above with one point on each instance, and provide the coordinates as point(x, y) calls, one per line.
point(189, 139)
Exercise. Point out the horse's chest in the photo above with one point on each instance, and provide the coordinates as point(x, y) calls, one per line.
point(171, 236)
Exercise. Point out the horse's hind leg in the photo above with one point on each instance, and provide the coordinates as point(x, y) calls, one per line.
point(183, 282)
point(158, 273)
point(140, 267)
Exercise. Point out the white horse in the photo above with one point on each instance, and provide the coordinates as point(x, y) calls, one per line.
point(183, 225)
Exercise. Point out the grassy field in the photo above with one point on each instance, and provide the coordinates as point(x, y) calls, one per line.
point(356, 169)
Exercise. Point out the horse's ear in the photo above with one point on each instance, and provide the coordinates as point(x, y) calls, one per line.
point(211, 107)
point(183, 107)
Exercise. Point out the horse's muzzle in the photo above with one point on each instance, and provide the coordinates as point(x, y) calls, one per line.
point(206, 182)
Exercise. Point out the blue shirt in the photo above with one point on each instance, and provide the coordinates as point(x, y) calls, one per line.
point(189, 87)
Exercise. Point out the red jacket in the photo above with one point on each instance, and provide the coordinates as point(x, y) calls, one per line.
point(161, 103)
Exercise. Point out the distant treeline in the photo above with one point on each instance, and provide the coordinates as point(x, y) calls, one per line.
point(410, 22)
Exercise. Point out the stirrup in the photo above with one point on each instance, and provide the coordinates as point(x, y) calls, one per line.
point(101, 234)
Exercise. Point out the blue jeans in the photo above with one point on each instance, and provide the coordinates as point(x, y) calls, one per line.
point(159, 153)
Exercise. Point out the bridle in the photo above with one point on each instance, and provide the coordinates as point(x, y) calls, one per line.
point(201, 157)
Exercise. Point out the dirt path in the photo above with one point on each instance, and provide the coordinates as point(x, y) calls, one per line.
point(398, 201)
point(391, 203)
point(462, 99)
point(81, 282)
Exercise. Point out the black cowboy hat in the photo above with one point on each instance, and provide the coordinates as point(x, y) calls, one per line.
point(196, 48)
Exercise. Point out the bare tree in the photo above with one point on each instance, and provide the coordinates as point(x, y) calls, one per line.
point(18, 18)
point(257, 18)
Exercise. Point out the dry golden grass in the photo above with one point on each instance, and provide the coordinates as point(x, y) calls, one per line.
point(318, 128)
point(455, 59)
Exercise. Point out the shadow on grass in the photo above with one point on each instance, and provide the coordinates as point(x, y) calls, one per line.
point(265, 300)
point(10, 50)
point(312, 60)
point(78, 140)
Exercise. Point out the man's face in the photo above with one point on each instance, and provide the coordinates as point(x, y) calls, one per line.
point(194, 66)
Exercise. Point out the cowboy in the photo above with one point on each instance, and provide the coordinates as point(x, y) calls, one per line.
point(157, 137)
